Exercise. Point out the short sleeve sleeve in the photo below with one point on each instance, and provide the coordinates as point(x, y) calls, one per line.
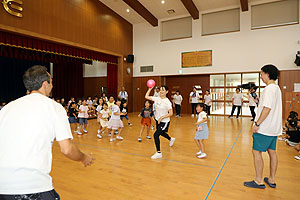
point(169, 104)
point(203, 115)
point(268, 98)
point(61, 125)
point(154, 98)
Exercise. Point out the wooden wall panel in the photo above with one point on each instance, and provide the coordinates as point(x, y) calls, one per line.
point(185, 85)
point(92, 85)
point(286, 80)
point(84, 23)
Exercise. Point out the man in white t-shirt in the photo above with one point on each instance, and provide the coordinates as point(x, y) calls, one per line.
point(267, 126)
point(123, 95)
point(237, 102)
point(194, 100)
point(163, 112)
point(26, 148)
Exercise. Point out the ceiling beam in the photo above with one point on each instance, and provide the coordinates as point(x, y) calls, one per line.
point(244, 5)
point(190, 6)
point(139, 8)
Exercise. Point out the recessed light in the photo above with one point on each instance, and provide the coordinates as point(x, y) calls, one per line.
point(163, 1)
point(127, 10)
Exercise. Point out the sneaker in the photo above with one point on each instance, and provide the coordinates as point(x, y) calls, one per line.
point(176, 116)
point(179, 116)
point(193, 115)
point(85, 131)
point(116, 132)
point(98, 131)
point(172, 141)
point(202, 155)
point(75, 131)
point(99, 136)
point(198, 153)
point(79, 133)
point(281, 139)
point(156, 155)
point(129, 124)
point(152, 127)
point(297, 157)
point(148, 137)
point(140, 139)
point(109, 135)
point(112, 139)
point(230, 116)
point(120, 137)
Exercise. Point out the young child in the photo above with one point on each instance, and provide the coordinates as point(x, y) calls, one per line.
point(202, 130)
point(98, 110)
point(103, 119)
point(73, 112)
point(146, 115)
point(124, 109)
point(89, 101)
point(72, 100)
point(83, 117)
point(104, 97)
point(115, 122)
point(110, 103)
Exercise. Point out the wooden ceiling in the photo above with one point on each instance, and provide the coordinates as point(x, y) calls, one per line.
point(154, 10)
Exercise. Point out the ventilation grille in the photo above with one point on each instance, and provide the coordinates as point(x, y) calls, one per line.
point(146, 68)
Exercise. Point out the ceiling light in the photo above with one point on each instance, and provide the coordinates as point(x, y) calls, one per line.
point(127, 10)
point(163, 1)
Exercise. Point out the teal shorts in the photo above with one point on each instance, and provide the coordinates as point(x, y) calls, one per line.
point(263, 142)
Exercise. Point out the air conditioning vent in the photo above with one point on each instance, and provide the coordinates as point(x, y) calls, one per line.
point(146, 68)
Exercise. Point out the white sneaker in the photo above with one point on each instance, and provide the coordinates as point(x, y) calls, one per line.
point(112, 139)
point(120, 137)
point(202, 155)
point(79, 133)
point(84, 130)
point(198, 153)
point(297, 157)
point(75, 131)
point(148, 137)
point(99, 136)
point(172, 141)
point(281, 139)
point(152, 127)
point(98, 131)
point(193, 115)
point(140, 139)
point(109, 135)
point(156, 155)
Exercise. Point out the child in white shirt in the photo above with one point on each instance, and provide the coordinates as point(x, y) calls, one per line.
point(83, 117)
point(115, 122)
point(103, 114)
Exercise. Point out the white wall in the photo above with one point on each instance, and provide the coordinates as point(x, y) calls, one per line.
point(97, 69)
point(246, 50)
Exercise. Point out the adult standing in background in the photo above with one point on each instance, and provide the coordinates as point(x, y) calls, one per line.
point(123, 95)
point(177, 99)
point(194, 100)
point(237, 102)
point(157, 92)
point(207, 101)
point(267, 126)
point(253, 101)
point(26, 149)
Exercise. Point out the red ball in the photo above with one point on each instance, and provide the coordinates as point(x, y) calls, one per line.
point(150, 83)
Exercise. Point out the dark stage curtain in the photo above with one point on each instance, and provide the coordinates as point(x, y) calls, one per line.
point(11, 77)
point(112, 79)
point(67, 80)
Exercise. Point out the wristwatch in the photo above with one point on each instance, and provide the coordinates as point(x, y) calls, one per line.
point(256, 124)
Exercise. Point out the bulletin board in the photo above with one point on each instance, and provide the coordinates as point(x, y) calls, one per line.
point(196, 59)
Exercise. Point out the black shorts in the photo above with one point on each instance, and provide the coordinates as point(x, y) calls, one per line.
point(50, 195)
point(164, 126)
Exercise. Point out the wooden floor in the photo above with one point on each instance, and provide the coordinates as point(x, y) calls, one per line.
point(124, 170)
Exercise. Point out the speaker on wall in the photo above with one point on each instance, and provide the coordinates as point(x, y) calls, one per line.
point(130, 58)
point(297, 61)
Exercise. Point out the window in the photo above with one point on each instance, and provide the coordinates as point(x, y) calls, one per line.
point(275, 14)
point(221, 22)
point(176, 29)
point(233, 80)
point(217, 80)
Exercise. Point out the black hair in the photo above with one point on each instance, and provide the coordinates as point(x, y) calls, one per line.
point(238, 89)
point(208, 91)
point(166, 87)
point(177, 91)
point(118, 99)
point(148, 102)
point(72, 97)
point(272, 71)
point(34, 77)
point(98, 102)
point(104, 104)
point(200, 104)
point(111, 96)
point(72, 104)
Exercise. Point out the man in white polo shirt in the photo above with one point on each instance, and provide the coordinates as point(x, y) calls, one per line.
point(267, 126)
point(237, 102)
point(123, 95)
point(28, 127)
